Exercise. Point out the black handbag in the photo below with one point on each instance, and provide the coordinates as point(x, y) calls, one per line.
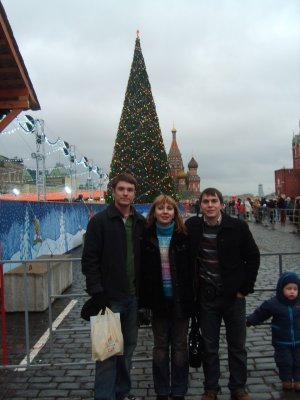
point(195, 344)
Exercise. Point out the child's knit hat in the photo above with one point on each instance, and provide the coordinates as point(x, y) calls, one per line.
point(287, 277)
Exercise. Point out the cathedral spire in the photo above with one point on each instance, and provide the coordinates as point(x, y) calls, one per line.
point(174, 146)
point(174, 157)
point(187, 184)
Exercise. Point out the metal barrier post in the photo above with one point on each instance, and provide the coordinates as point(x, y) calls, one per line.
point(3, 320)
point(280, 264)
point(50, 311)
point(26, 314)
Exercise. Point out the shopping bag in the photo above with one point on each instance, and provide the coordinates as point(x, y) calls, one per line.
point(195, 344)
point(106, 335)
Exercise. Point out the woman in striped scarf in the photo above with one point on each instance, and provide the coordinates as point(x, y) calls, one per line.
point(166, 289)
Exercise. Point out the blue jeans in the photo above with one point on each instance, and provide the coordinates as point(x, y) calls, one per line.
point(170, 332)
point(234, 315)
point(112, 376)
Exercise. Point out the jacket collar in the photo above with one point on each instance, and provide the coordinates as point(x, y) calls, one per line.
point(113, 212)
point(218, 221)
point(226, 221)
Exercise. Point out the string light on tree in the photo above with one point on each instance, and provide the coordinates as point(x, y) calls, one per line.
point(139, 147)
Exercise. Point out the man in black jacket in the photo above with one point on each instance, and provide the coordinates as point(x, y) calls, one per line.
point(227, 261)
point(110, 263)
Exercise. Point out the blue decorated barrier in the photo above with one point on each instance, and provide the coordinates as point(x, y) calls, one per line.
point(31, 229)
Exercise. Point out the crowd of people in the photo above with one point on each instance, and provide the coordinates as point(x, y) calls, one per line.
point(265, 210)
point(204, 267)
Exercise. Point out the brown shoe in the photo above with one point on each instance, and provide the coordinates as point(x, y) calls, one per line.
point(240, 395)
point(297, 386)
point(209, 395)
point(287, 385)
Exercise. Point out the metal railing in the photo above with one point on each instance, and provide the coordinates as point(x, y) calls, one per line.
point(266, 215)
point(27, 361)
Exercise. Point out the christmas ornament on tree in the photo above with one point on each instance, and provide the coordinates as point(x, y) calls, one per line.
point(139, 147)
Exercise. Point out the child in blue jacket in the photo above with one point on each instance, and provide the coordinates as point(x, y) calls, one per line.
point(284, 308)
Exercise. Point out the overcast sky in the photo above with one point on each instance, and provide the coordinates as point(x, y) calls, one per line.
point(226, 73)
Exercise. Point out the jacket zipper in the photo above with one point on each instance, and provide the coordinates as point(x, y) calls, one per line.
point(291, 316)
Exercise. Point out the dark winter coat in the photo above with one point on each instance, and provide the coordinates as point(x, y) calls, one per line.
point(151, 292)
point(238, 253)
point(105, 251)
point(285, 316)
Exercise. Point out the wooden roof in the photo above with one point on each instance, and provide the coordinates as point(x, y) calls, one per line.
point(16, 90)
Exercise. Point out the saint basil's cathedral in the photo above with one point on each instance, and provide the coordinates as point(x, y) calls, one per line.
point(187, 183)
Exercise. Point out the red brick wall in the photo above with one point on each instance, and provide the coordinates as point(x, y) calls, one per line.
point(296, 156)
point(287, 181)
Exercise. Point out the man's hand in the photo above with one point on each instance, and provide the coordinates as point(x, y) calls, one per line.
point(98, 302)
point(240, 295)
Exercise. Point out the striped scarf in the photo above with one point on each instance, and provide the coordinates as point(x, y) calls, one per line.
point(164, 235)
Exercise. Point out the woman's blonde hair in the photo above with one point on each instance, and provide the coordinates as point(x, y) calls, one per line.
point(164, 199)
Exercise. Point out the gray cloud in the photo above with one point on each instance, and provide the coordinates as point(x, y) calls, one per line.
point(226, 73)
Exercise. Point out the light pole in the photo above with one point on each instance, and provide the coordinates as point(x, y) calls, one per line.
point(90, 181)
point(73, 170)
point(101, 176)
point(39, 156)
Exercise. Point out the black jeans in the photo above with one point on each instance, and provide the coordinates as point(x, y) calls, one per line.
point(170, 355)
point(233, 313)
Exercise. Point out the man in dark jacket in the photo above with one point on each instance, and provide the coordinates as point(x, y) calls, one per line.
point(110, 263)
point(227, 261)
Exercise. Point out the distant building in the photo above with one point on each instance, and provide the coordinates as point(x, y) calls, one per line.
point(187, 183)
point(260, 190)
point(287, 180)
point(11, 173)
point(59, 176)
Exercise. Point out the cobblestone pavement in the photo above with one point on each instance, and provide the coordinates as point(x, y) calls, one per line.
point(71, 342)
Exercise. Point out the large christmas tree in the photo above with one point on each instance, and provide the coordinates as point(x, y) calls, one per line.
point(139, 147)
